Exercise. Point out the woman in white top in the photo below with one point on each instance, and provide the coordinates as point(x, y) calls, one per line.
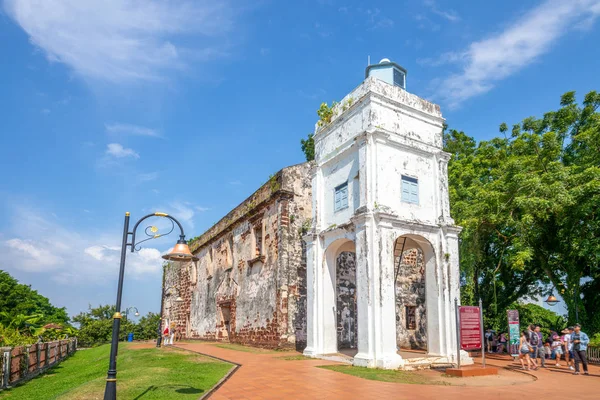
point(566, 339)
point(557, 348)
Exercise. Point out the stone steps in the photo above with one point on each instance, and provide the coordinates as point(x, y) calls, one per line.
point(418, 363)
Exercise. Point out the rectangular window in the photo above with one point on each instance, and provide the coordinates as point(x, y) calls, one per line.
point(410, 190)
point(411, 318)
point(341, 197)
point(398, 78)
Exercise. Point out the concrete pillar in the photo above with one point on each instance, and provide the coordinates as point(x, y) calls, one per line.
point(312, 284)
point(5, 353)
point(38, 354)
point(26, 355)
point(375, 298)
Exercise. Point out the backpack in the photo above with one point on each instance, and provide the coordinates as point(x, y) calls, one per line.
point(534, 339)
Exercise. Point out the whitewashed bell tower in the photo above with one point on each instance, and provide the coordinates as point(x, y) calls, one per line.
point(380, 176)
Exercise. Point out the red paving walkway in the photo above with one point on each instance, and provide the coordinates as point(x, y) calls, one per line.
point(267, 376)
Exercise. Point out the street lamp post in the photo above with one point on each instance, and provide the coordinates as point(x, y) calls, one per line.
point(180, 252)
point(137, 313)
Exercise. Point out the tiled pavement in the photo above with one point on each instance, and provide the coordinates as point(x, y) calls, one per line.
point(267, 376)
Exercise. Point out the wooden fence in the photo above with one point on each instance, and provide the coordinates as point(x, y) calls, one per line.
point(593, 355)
point(18, 364)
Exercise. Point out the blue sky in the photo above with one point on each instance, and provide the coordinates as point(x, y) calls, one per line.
point(188, 106)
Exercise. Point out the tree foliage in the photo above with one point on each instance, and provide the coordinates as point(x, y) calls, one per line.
point(308, 147)
point(25, 315)
point(16, 298)
point(95, 326)
point(528, 202)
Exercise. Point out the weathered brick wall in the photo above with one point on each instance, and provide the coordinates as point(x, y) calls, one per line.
point(259, 292)
point(24, 362)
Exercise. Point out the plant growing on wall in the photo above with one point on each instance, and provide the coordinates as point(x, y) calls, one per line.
point(326, 113)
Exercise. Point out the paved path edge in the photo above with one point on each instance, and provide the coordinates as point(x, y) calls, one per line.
point(224, 379)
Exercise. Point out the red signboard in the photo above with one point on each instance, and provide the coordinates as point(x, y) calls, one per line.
point(470, 328)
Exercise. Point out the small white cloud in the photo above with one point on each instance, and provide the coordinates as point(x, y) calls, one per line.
point(183, 211)
point(131, 130)
point(376, 20)
point(264, 51)
point(202, 209)
point(147, 177)
point(118, 151)
point(235, 182)
point(488, 61)
point(86, 211)
point(45, 111)
point(450, 15)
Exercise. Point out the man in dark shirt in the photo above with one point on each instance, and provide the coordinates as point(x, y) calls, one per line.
point(537, 342)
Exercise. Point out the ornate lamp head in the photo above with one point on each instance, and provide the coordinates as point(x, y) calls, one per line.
point(181, 252)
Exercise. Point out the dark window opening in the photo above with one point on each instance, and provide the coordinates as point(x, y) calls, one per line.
point(411, 317)
point(258, 238)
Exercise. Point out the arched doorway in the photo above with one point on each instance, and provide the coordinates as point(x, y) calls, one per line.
point(413, 259)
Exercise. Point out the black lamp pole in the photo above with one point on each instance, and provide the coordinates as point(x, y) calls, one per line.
point(180, 252)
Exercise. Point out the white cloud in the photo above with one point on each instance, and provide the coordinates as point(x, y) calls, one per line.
point(202, 209)
point(131, 130)
point(183, 211)
point(450, 15)
point(125, 41)
point(235, 182)
point(45, 111)
point(118, 151)
point(376, 20)
point(143, 261)
point(488, 61)
point(147, 177)
point(63, 255)
point(33, 257)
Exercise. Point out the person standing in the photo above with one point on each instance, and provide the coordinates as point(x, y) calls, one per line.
point(502, 345)
point(524, 351)
point(166, 335)
point(537, 342)
point(580, 342)
point(172, 333)
point(556, 348)
point(568, 347)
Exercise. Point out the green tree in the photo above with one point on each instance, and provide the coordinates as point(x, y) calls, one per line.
point(308, 147)
point(20, 299)
point(529, 206)
point(147, 327)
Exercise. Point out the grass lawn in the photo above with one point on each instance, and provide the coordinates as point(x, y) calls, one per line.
point(143, 373)
point(296, 357)
point(247, 349)
point(385, 375)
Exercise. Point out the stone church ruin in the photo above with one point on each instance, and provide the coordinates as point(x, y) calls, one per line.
point(353, 253)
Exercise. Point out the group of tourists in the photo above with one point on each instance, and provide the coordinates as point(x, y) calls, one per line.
point(570, 346)
point(169, 334)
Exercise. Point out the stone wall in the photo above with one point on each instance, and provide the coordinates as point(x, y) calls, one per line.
point(248, 285)
point(347, 324)
point(411, 313)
